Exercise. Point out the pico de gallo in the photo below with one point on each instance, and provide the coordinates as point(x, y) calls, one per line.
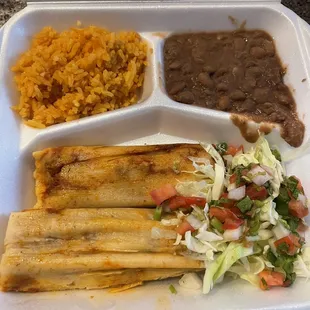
point(242, 216)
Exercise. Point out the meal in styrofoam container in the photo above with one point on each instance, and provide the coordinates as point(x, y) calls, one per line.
point(219, 208)
point(79, 72)
point(237, 71)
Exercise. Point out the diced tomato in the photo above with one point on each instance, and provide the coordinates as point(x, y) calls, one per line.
point(224, 195)
point(232, 223)
point(161, 194)
point(236, 211)
point(256, 192)
point(227, 217)
point(198, 201)
point(244, 172)
point(177, 202)
point(233, 179)
point(290, 194)
point(220, 214)
point(185, 202)
point(296, 208)
point(233, 150)
point(230, 203)
point(270, 278)
point(292, 242)
point(184, 227)
point(299, 186)
point(302, 227)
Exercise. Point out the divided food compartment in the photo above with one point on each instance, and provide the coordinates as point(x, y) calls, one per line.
point(156, 119)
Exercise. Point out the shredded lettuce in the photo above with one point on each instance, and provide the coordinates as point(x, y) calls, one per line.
point(244, 159)
point(268, 212)
point(203, 167)
point(262, 154)
point(194, 244)
point(223, 262)
point(208, 236)
point(217, 247)
point(302, 266)
point(250, 270)
point(218, 184)
point(214, 154)
point(193, 188)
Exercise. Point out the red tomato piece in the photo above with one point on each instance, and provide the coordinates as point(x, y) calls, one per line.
point(184, 227)
point(235, 210)
point(296, 208)
point(220, 214)
point(161, 194)
point(244, 172)
point(271, 278)
point(256, 192)
point(299, 186)
point(233, 179)
point(302, 227)
point(198, 201)
point(185, 202)
point(228, 204)
point(227, 217)
point(177, 202)
point(292, 242)
point(232, 223)
point(233, 150)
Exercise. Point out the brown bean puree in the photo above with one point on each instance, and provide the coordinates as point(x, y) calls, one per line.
point(237, 72)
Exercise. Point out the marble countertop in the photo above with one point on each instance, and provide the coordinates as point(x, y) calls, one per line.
point(10, 7)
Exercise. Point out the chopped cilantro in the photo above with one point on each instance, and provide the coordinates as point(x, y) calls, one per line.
point(290, 279)
point(286, 263)
point(291, 183)
point(245, 204)
point(238, 171)
point(222, 148)
point(271, 257)
point(172, 289)
point(282, 248)
point(282, 201)
point(276, 154)
point(217, 203)
point(292, 222)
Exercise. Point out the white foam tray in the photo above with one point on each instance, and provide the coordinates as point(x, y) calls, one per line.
point(155, 119)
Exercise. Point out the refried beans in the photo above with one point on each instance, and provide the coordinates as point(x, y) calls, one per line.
point(238, 72)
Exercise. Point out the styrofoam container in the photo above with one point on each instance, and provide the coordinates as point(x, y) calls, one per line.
point(156, 119)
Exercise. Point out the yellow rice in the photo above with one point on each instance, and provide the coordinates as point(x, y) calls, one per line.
point(76, 73)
